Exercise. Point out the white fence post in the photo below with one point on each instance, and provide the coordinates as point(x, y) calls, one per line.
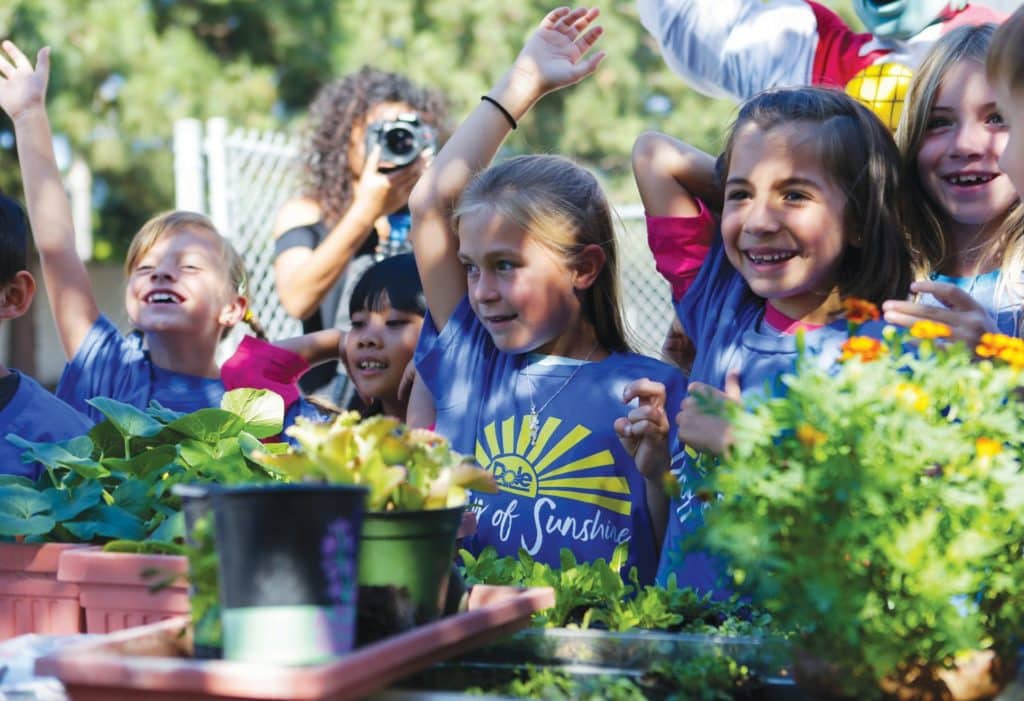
point(189, 176)
point(216, 163)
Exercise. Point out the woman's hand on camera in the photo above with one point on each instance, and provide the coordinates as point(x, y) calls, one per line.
point(380, 194)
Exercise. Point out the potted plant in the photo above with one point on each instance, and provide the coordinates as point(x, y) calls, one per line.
point(417, 495)
point(875, 509)
point(113, 487)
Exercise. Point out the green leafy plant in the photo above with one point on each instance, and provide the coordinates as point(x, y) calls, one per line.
point(405, 469)
point(115, 483)
point(593, 594)
point(702, 678)
point(876, 507)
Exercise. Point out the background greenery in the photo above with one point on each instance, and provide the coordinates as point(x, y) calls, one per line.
point(124, 70)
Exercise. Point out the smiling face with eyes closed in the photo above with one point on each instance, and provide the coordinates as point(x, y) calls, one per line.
point(180, 285)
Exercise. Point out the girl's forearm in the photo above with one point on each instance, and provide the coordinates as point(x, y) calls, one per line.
point(48, 206)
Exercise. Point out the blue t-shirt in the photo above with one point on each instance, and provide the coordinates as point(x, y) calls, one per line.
point(576, 487)
point(725, 320)
point(1002, 305)
point(109, 364)
point(35, 415)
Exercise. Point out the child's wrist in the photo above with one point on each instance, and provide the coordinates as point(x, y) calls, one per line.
point(29, 113)
point(516, 91)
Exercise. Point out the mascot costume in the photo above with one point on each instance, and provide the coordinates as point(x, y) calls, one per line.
point(736, 48)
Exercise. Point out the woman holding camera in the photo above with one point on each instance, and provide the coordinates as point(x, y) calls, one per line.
point(370, 135)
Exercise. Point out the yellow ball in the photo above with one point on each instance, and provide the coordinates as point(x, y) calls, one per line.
point(882, 87)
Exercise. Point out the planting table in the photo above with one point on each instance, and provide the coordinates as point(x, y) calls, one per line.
point(153, 663)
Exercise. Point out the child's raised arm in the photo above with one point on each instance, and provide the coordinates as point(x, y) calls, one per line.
point(669, 173)
point(553, 57)
point(23, 98)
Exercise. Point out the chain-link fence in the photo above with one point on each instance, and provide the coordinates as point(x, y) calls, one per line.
point(240, 178)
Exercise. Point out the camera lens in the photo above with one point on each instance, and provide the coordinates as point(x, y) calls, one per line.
point(400, 141)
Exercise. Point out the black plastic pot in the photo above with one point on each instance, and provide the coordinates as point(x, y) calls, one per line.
point(204, 589)
point(288, 557)
point(404, 563)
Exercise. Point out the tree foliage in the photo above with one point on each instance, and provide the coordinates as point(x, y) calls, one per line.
point(124, 70)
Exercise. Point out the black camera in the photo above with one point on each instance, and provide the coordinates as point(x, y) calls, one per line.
point(401, 140)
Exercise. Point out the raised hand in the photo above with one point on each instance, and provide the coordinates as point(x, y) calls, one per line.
point(555, 55)
point(22, 88)
point(704, 432)
point(643, 432)
point(966, 319)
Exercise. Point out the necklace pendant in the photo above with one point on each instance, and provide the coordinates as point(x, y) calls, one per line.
point(534, 428)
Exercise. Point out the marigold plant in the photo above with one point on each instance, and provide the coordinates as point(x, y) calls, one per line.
point(877, 508)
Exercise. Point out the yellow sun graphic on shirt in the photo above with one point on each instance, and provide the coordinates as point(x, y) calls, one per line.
point(544, 469)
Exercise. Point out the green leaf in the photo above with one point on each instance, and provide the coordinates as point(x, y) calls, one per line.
point(145, 463)
point(74, 454)
point(171, 529)
point(32, 526)
point(24, 511)
point(129, 421)
point(104, 522)
point(262, 410)
point(208, 424)
point(68, 503)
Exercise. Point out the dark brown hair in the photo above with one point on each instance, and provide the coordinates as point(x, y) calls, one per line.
point(338, 107)
point(857, 154)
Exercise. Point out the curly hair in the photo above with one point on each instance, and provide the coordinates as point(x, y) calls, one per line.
point(337, 108)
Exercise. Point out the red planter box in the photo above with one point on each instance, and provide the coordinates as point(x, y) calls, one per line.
point(31, 598)
point(114, 589)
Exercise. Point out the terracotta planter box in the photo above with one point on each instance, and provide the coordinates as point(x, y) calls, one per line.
point(31, 598)
point(114, 590)
point(152, 663)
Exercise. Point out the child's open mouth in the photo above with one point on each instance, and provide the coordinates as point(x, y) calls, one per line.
point(163, 298)
point(969, 179)
point(769, 257)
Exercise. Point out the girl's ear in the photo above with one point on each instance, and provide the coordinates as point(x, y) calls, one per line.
point(587, 265)
point(232, 312)
point(16, 295)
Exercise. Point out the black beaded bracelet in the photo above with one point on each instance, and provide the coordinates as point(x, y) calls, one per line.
point(501, 108)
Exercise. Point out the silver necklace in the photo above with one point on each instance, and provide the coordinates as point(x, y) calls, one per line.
point(535, 411)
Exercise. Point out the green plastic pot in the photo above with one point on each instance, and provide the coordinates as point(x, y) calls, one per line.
point(404, 561)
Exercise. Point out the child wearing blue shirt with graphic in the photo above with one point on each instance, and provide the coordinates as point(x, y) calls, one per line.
point(523, 347)
point(810, 178)
point(26, 409)
point(186, 284)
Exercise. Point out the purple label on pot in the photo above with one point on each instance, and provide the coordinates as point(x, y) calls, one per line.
point(338, 558)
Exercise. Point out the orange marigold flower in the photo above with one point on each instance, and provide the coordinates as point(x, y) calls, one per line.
point(810, 436)
point(930, 329)
point(860, 310)
point(987, 447)
point(1008, 349)
point(863, 347)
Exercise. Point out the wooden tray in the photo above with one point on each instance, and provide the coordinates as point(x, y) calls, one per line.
point(153, 663)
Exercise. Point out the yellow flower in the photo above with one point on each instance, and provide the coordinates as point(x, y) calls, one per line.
point(860, 310)
point(910, 395)
point(810, 436)
point(929, 329)
point(864, 348)
point(987, 447)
